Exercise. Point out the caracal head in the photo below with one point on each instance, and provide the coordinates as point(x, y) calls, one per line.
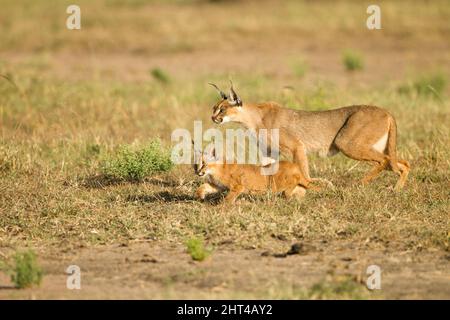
point(228, 108)
point(202, 162)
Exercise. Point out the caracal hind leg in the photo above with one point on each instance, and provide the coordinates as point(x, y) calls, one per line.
point(364, 138)
point(234, 193)
point(365, 153)
point(297, 192)
point(376, 170)
point(404, 167)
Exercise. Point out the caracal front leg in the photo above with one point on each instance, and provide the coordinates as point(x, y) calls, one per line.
point(234, 193)
point(299, 156)
point(204, 190)
point(301, 159)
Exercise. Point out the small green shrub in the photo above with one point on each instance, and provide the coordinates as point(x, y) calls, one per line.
point(426, 85)
point(352, 61)
point(26, 272)
point(134, 164)
point(160, 75)
point(197, 250)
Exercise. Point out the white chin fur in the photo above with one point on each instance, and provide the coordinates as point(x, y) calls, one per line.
point(226, 119)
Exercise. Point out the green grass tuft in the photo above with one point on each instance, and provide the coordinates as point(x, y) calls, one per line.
point(160, 75)
point(352, 60)
point(134, 164)
point(197, 250)
point(26, 271)
point(427, 85)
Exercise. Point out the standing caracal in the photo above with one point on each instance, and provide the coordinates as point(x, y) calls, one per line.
point(361, 132)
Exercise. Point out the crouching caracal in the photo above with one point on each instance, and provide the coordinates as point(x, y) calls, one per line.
point(247, 178)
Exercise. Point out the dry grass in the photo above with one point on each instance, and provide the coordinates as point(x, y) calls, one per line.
point(78, 95)
point(52, 191)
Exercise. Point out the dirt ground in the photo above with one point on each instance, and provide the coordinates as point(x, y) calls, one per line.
point(155, 270)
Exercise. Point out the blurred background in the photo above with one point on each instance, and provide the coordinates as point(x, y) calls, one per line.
point(149, 58)
point(80, 106)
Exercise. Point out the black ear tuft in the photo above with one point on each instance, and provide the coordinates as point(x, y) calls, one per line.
point(234, 97)
point(222, 94)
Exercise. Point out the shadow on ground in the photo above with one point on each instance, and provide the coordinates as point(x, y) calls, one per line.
point(102, 181)
point(173, 197)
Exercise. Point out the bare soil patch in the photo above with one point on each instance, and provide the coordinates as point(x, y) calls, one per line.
point(158, 270)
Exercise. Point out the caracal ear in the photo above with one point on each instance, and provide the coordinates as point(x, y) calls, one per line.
point(198, 156)
point(212, 153)
point(222, 94)
point(209, 154)
point(234, 98)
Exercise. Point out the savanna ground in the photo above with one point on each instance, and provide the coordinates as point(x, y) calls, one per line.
point(77, 95)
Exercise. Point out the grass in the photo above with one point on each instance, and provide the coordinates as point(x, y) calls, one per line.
point(299, 68)
point(352, 60)
point(160, 75)
point(25, 271)
point(338, 289)
point(315, 99)
point(134, 163)
point(45, 199)
point(197, 250)
point(83, 104)
point(333, 288)
point(433, 85)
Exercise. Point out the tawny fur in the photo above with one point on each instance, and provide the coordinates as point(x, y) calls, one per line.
point(246, 178)
point(357, 131)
